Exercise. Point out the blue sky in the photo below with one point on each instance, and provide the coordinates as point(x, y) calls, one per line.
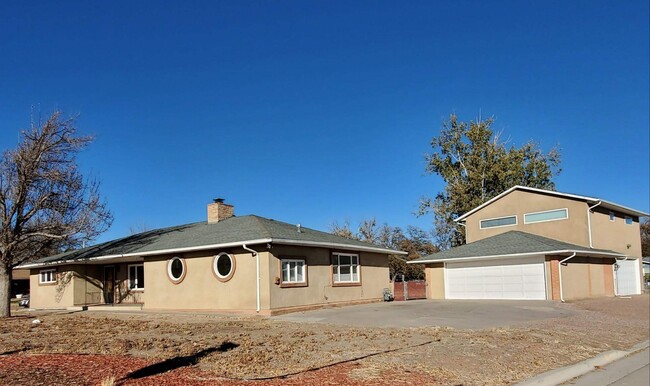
point(314, 112)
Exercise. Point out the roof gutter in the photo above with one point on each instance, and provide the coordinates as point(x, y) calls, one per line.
point(363, 248)
point(494, 257)
point(589, 221)
point(559, 270)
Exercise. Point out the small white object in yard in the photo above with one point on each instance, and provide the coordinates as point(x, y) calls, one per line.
point(36, 321)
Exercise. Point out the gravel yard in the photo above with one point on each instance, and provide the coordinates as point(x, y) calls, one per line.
point(86, 348)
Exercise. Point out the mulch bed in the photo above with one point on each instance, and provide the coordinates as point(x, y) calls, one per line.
point(74, 369)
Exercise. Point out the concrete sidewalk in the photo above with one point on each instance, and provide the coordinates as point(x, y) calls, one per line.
point(619, 364)
point(631, 370)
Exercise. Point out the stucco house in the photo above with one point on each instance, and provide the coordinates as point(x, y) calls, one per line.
point(529, 243)
point(246, 264)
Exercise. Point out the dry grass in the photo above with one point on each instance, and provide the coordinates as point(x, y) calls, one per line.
point(260, 347)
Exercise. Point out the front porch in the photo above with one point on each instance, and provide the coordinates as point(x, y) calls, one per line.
point(90, 284)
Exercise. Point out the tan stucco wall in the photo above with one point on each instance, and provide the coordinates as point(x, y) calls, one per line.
point(435, 277)
point(585, 277)
point(87, 284)
point(58, 295)
point(572, 230)
point(200, 289)
point(615, 235)
point(373, 271)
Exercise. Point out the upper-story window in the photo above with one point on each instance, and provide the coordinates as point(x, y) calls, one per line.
point(612, 217)
point(629, 220)
point(547, 215)
point(499, 222)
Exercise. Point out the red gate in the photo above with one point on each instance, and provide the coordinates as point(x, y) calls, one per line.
point(409, 290)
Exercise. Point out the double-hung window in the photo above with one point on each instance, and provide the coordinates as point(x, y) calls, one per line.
point(294, 271)
point(345, 268)
point(47, 276)
point(136, 277)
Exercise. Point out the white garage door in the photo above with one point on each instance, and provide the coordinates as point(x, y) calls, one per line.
point(628, 279)
point(521, 278)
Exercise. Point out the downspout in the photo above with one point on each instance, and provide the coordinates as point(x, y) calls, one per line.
point(589, 221)
point(559, 270)
point(257, 271)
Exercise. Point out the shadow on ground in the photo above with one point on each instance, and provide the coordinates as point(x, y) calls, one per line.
point(177, 362)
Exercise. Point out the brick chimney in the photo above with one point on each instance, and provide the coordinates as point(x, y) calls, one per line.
point(219, 211)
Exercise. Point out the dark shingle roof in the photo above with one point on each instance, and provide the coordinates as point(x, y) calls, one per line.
point(510, 243)
point(196, 235)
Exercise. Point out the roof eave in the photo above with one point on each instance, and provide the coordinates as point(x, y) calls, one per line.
point(363, 248)
point(513, 255)
point(608, 204)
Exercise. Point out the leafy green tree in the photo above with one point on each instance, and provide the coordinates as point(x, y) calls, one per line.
point(476, 165)
point(416, 242)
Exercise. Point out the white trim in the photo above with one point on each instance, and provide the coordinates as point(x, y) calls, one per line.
point(128, 269)
point(337, 263)
point(608, 204)
point(444, 277)
point(480, 222)
point(536, 260)
point(169, 269)
point(349, 247)
point(223, 245)
point(216, 270)
point(566, 210)
point(637, 275)
point(303, 264)
point(492, 257)
point(40, 276)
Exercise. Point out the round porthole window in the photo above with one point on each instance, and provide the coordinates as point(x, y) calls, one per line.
point(176, 269)
point(223, 266)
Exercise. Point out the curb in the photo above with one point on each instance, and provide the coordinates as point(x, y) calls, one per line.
point(563, 374)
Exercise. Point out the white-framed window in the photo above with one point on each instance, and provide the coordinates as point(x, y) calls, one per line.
point(293, 271)
point(547, 215)
point(629, 220)
point(223, 266)
point(612, 217)
point(345, 268)
point(136, 277)
point(498, 222)
point(176, 269)
point(47, 276)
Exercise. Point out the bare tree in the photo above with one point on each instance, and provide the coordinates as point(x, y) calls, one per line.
point(46, 205)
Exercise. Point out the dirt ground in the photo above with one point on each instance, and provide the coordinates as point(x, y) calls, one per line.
point(86, 348)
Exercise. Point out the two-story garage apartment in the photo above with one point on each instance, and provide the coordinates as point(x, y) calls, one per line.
point(529, 243)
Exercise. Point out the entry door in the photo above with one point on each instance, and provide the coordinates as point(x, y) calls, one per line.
point(109, 284)
point(628, 279)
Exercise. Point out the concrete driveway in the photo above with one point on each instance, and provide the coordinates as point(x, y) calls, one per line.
point(461, 314)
